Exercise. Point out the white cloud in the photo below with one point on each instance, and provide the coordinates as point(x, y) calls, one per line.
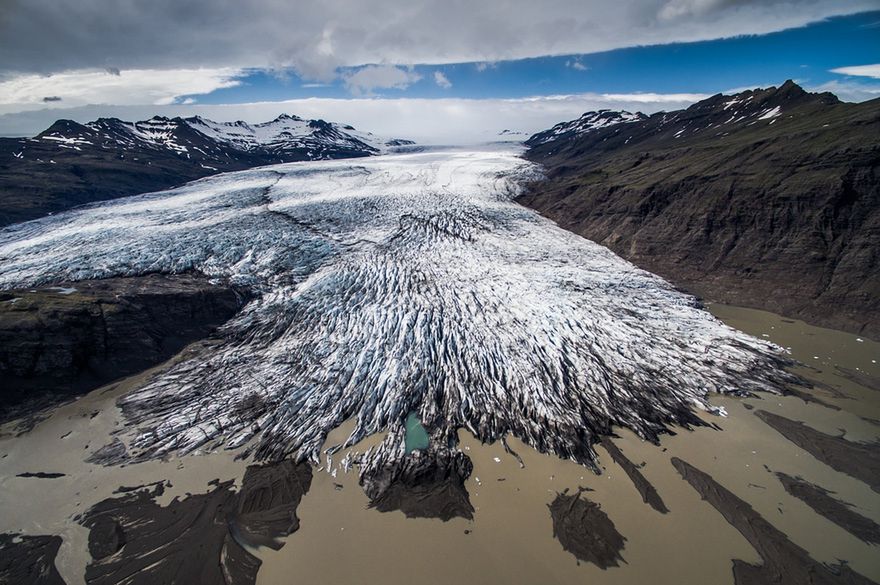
point(365, 80)
point(675, 9)
point(576, 64)
point(860, 70)
point(436, 121)
point(850, 91)
point(655, 98)
point(45, 36)
point(484, 65)
point(441, 80)
point(129, 87)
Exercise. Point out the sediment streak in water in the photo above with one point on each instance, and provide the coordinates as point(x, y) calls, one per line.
point(395, 284)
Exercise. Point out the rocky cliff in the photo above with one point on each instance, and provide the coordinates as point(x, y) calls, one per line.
point(59, 341)
point(768, 198)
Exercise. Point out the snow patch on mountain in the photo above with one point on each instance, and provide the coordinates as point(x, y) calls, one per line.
point(285, 134)
point(588, 122)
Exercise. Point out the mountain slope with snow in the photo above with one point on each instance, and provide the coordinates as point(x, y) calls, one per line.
point(589, 122)
point(70, 163)
point(767, 198)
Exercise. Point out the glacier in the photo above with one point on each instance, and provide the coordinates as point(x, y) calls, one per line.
point(404, 283)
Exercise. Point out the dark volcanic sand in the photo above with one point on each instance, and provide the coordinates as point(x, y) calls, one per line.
point(41, 475)
point(426, 484)
point(200, 539)
point(29, 560)
point(646, 490)
point(785, 563)
point(860, 378)
point(585, 530)
point(859, 460)
point(837, 511)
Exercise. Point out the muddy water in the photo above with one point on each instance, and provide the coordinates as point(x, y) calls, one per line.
point(59, 445)
point(510, 539)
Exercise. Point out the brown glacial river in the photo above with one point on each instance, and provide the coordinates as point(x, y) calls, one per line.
point(510, 540)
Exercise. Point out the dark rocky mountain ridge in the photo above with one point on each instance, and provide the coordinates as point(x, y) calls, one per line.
point(768, 198)
point(70, 164)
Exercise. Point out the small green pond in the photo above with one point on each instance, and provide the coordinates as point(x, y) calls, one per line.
point(416, 435)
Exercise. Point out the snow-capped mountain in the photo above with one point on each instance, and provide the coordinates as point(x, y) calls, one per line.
point(586, 123)
point(71, 163)
point(714, 117)
point(287, 138)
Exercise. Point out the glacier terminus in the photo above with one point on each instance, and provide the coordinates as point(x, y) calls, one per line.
point(398, 284)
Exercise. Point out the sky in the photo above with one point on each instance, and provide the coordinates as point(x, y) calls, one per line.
point(436, 71)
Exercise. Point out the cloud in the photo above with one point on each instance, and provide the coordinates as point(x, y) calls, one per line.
point(436, 121)
point(145, 86)
point(483, 65)
point(860, 70)
point(850, 91)
point(576, 64)
point(441, 80)
point(365, 80)
point(319, 37)
point(676, 9)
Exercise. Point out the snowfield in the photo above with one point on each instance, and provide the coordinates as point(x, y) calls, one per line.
point(399, 283)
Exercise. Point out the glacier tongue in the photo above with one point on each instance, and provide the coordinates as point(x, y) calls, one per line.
point(400, 283)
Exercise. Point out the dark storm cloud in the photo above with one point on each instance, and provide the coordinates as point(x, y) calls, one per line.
point(317, 36)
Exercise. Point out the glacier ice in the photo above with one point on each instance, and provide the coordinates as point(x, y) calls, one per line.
point(401, 283)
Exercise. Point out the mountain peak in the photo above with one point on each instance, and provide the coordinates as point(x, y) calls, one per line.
point(792, 92)
point(787, 91)
point(761, 101)
point(64, 125)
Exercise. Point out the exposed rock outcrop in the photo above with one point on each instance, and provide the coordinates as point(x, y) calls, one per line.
point(59, 341)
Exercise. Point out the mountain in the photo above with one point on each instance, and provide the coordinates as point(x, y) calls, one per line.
point(583, 125)
point(70, 163)
point(767, 198)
